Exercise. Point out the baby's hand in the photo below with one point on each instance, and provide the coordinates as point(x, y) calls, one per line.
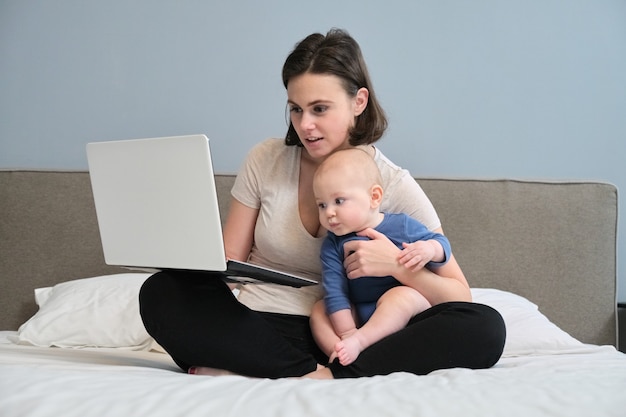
point(416, 255)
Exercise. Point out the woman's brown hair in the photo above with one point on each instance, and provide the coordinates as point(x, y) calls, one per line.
point(337, 53)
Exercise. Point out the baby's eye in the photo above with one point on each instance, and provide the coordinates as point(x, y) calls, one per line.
point(321, 206)
point(339, 201)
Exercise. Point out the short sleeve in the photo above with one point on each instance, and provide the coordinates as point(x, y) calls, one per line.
point(246, 188)
point(402, 194)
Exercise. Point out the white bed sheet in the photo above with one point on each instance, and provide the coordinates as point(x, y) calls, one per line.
point(579, 381)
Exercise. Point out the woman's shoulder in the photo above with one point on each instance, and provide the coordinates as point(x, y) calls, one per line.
point(270, 150)
point(270, 144)
point(390, 172)
point(267, 147)
point(403, 194)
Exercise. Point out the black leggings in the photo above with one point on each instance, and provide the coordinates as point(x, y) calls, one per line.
point(197, 320)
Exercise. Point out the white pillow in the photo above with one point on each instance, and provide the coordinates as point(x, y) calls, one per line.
point(528, 331)
point(92, 312)
point(104, 312)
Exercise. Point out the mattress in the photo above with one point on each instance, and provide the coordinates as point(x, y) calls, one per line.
point(35, 381)
point(543, 371)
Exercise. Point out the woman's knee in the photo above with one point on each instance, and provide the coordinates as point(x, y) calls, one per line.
point(151, 291)
point(488, 335)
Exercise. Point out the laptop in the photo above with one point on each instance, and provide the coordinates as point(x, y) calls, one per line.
point(157, 208)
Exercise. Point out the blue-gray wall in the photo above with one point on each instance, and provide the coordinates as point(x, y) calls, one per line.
point(484, 88)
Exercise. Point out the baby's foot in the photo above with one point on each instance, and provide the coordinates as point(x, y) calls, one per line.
point(348, 350)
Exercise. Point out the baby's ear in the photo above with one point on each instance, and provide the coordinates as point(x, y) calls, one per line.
point(376, 196)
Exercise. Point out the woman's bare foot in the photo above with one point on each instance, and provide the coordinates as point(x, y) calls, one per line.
point(321, 372)
point(204, 370)
point(348, 349)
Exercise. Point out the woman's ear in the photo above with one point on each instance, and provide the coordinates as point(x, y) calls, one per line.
point(376, 196)
point(360, 101)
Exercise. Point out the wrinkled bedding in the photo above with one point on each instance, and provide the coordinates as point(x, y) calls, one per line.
point(583, 380)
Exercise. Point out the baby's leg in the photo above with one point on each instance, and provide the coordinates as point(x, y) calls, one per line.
point(393, 311)
point(323, 331)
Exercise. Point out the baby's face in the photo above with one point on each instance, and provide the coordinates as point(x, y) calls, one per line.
point(344, 205)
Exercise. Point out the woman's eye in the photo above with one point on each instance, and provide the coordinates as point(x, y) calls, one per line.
point(295, 109)
point(320, 109)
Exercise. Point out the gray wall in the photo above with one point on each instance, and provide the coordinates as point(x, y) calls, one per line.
point(485, 88)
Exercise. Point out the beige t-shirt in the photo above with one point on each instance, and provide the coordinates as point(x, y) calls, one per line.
point(268, 181)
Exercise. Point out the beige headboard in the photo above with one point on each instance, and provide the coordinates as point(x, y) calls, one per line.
point(552, 242)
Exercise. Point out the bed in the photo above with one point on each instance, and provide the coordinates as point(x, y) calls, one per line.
point(541, 252)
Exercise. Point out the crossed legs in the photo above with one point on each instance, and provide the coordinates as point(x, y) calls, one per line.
point(393, 311)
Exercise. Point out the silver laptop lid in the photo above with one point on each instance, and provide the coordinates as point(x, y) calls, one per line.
point(156, 203)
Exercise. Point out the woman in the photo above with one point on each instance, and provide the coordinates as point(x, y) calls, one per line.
point(274, 221)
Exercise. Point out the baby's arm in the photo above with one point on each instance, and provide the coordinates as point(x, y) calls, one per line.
point(416, 255)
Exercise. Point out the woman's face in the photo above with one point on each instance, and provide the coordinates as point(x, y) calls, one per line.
point(322, 112)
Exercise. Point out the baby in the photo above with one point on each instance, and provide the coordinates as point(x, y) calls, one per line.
point(357, 313)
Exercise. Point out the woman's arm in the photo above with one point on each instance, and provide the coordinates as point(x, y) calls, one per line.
point(239, 230)
point(379, 257)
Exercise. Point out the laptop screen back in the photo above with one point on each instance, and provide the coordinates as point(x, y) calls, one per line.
point(156, 203)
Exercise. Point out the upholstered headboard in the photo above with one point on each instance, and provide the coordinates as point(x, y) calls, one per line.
point(552, 242)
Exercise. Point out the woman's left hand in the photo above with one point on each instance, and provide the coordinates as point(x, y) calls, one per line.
point(376, 257)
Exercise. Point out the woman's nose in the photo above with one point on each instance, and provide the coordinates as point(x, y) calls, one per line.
point(306, 122)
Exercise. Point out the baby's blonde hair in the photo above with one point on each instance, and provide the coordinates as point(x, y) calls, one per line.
point(353, 162)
